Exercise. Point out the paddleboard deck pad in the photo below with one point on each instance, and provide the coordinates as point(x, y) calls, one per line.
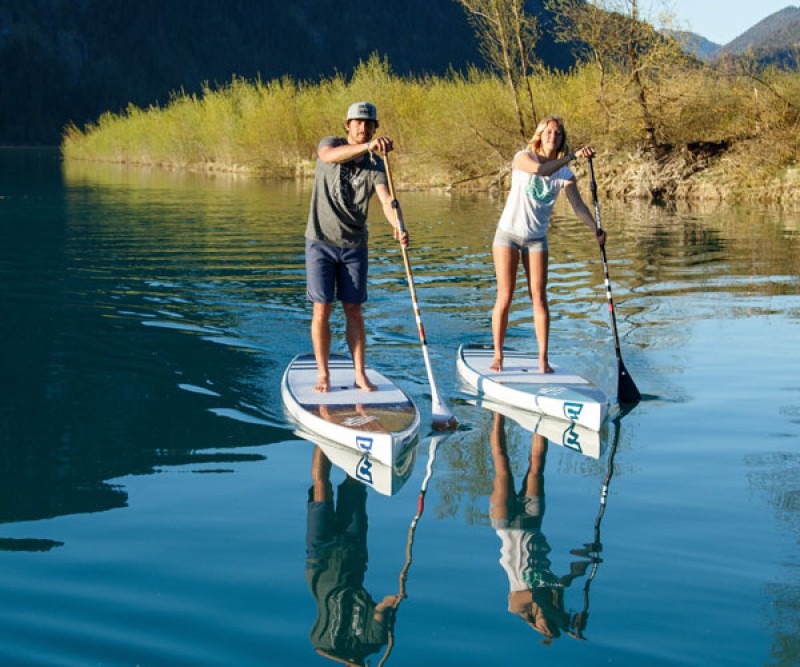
point(561, 394)
point(381, 423)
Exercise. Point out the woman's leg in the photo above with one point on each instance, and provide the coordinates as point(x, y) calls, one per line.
point(535, 264)
point(506, 261)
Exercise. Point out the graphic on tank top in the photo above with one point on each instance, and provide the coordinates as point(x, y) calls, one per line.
point(541, 190)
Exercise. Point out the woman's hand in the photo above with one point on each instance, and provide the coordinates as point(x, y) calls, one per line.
point(600, 234)
point(584, 152)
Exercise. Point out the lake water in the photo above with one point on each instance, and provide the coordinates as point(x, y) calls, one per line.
point(153, 497)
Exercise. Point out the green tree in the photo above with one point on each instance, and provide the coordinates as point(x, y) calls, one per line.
point(507, 37)
point(612, 35)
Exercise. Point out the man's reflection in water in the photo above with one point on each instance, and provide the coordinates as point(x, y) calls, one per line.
point(536, 594)
point(349, 626)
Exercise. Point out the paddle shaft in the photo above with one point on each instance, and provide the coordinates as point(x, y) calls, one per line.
point(627, 391)
point(441, 413)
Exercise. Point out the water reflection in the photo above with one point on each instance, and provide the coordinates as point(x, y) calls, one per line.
point(433, 444)
point(385, 479)
point(350, 625)
point(148, 318)
point(569, 435)
point(536, 593)
point(28, 544)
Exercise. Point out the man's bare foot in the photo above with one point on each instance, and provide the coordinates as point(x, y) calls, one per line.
point(496, 365)
point(363, 382)
point(323, 385)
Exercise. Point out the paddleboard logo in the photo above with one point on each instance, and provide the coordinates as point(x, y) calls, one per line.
point(572, 439)
point(364, 444)
point(573, 410)
point(364, 470)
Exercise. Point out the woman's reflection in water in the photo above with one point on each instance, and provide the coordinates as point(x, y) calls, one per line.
point(536, 594)
point(349, 626)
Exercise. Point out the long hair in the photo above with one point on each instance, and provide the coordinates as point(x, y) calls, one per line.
point(536, 140)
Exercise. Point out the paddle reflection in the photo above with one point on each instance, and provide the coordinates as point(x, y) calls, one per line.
point(536, 593)
point(350, 625)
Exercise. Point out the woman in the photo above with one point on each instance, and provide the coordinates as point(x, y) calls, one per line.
point(538, 174)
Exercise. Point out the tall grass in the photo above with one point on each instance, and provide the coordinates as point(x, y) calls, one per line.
point(460, 129)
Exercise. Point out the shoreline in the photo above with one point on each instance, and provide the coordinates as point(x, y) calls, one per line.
point(619, 179)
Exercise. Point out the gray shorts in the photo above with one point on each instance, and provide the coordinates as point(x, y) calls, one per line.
point(503, 238)
point(525, 512)
point(335, 273)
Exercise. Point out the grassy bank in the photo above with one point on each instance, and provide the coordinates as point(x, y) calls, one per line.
point(721, 135)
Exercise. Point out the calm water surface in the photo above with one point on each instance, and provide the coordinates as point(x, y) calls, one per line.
point(154, 500)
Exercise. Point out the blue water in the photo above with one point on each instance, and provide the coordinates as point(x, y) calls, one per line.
point(153, 496)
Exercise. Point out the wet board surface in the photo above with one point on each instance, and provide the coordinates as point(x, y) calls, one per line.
point(562, 394)
point(379, 423)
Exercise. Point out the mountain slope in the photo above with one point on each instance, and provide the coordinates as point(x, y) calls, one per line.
point(64, 60)
point(694, 44)
point(780, 30)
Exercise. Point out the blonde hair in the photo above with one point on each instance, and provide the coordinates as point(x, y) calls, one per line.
point(536, 139)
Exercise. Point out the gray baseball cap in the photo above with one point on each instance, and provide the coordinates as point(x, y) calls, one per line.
point(362, 111)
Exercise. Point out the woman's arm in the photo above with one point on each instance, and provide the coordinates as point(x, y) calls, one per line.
point(529, 162)
point(582, 211)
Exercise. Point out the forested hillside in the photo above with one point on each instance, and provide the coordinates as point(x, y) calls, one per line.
point(70, 60)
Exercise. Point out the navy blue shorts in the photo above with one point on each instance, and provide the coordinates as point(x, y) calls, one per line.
point(335, 273)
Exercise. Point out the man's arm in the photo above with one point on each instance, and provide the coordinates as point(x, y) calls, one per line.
point(390, 212)
point(346, 152)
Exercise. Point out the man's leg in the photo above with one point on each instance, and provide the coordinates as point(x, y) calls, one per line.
point(357, 342)
point(321, 342)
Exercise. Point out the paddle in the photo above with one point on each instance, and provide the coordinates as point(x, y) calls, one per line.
point(626, 387)
point(442, 417)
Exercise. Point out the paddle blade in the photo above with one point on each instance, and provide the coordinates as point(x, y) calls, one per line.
point(443, 419)
point(444, 423)
point(627, 391)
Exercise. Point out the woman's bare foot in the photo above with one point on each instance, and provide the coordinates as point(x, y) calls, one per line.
point(363, 382)
point(545, 367)
point(323, 384)
point(496, 365)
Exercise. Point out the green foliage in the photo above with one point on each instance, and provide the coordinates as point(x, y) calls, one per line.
point(460, 129)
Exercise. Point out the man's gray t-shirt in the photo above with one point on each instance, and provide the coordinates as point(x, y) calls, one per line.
point(340, 198)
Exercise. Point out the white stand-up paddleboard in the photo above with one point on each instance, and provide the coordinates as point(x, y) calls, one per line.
point(381, 423)
point(560, 394)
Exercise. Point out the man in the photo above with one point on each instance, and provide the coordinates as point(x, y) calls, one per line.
point(348, 173)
